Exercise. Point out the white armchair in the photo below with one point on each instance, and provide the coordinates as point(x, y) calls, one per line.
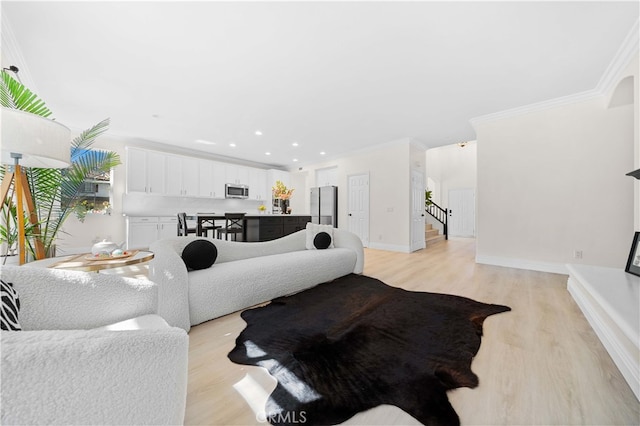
point(91, 351)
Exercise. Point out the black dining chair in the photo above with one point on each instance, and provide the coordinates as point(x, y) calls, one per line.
point(183, 229)
point(234, 225)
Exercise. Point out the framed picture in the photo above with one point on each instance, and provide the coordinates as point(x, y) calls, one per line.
point(633, 264)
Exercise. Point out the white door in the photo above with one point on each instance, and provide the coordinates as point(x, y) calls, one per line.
point(417, 210)
point(358, 212)
point(462, 213)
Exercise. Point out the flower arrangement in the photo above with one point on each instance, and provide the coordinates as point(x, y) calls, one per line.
point(281, 192)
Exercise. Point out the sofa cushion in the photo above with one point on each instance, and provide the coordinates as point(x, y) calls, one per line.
point(10, 307)
point(199, 254)
point(313, 230)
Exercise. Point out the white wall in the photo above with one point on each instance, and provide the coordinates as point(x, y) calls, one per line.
point(553, 181)
point(388, 166)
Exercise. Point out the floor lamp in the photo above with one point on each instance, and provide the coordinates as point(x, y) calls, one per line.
point(29, 140)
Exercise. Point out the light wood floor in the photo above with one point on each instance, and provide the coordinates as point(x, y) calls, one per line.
point(540, 364)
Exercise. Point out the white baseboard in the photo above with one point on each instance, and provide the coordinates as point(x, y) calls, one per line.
point(555, 268)
point(622, 350)
point(390, 247)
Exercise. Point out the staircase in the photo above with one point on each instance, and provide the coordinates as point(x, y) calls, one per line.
point(432, 236)
point(441, 215)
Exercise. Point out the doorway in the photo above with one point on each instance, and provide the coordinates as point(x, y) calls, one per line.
point(462, 213)
point(358, 202)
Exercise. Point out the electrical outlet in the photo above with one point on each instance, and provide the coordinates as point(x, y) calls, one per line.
point(577, 254)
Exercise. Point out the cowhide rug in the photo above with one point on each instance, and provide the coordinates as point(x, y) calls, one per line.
point(352, 344)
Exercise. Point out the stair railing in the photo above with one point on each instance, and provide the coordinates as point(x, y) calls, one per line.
point(441, 215)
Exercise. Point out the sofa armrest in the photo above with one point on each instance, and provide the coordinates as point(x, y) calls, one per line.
point(346, 239)
point(94, 376)
point(168, 271)
point(56, 299)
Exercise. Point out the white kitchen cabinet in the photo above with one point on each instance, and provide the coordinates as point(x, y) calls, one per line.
point(258, 185)
point(211, 179)
point(237, 174)
point(327, 177)
point(144, 230)
point(145, 171)
point(167, 227)
point(181, 176)
point(205, 176)
point(219, 180)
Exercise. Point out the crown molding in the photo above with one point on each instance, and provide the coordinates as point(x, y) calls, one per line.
point(538, 106)
point(625, 53)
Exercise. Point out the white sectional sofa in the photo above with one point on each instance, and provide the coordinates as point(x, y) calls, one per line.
point(245, 274)
point(91, 351)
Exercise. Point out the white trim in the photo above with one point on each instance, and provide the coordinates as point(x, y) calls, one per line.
point(626, 52)
point(538, 106)
point(509, 262)
point(629, 48)
point(390, 247)
point(619, 347)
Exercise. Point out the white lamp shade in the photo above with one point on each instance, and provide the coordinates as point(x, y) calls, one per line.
point(42, 142)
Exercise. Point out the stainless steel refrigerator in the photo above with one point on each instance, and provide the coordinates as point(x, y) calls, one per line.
point(324, 205)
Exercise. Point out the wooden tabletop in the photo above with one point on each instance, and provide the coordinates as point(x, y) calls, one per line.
point(81, 262)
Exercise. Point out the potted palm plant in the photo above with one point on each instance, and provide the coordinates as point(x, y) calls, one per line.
point(55, 192)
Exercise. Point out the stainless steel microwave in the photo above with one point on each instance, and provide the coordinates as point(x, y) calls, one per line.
point(233, 190)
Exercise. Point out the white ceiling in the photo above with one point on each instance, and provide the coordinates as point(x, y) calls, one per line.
point(331, 76)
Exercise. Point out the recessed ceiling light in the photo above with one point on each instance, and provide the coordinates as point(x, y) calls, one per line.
point(295, 144)
point(204, 142)
point(295, 160)
point(267, 153)
point(258, 133)
point(232, 145)
point(322, 153)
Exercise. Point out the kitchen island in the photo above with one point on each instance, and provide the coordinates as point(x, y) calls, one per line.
point(271, 227)
point(258, 227)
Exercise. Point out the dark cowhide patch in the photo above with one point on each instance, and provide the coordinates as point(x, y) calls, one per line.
point(355, 343)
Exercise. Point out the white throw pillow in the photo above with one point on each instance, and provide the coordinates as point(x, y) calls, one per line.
point(313, 230)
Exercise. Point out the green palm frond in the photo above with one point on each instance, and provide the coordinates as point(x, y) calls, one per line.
point(85, 139)
point(14, 94)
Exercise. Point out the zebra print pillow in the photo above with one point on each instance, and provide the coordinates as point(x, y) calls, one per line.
point(10, 308)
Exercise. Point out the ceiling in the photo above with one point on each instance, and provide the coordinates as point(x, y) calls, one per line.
point(332, 77)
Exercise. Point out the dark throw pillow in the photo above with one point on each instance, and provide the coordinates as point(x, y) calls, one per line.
point(322, 240)
point(10, 308)
point(199, 254)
